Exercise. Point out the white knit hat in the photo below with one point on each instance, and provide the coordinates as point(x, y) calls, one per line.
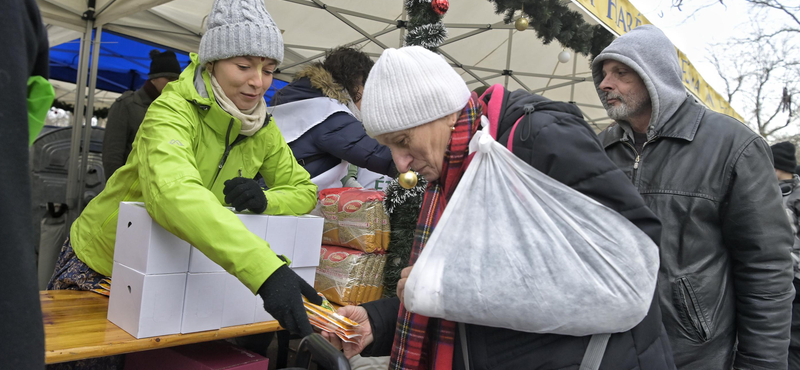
point(409, 87)
point(240, 28)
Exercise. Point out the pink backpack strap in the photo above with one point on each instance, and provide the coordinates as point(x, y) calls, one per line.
point(493, 108)
point(510, 144)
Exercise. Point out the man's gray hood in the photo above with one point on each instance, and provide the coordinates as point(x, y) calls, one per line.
point(649, 52)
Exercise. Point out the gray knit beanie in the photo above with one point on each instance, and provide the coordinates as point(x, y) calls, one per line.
point(240, 28)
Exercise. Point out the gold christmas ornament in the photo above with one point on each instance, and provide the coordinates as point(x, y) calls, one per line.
point(408, 180)
point(521, 23)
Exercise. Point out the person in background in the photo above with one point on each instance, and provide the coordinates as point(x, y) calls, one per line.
point(431, 136)
point(725, 280)
point(200, 145)
point(127, 112)
point(26, 56)
point(785, 163)
point(319, 116)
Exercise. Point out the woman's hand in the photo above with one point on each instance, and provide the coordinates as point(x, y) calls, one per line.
point(401, 284)
point(359, 315)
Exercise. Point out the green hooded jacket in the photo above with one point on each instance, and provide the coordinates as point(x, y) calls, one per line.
point(185, 149)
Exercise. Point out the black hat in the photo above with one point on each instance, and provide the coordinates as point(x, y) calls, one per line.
point(783, 153)
point(164, 65)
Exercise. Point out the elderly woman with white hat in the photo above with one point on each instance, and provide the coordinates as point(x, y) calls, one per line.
point(419, 107)
point(197, 151)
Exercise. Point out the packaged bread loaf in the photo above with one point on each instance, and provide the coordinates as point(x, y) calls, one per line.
point(339, 273)
point(354, 218)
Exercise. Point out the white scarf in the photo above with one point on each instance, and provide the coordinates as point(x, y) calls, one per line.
point(252, 119)
point(353, 107)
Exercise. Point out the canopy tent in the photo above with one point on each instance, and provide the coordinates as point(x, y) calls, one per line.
point(123, 65)
point(480, 46)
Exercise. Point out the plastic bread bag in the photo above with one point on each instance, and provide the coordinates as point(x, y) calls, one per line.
point(339, 273)
point(378, 280)
point(516, 249)
point(354, 218)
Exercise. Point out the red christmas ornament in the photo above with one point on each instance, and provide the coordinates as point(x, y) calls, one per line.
point(440, 6)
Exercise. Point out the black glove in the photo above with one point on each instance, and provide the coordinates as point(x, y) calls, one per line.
point(281, 294)
point(244, 193)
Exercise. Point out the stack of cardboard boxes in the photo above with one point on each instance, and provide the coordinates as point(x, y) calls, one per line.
point(161, 285)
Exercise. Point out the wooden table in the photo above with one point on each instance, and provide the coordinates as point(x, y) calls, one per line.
point(75, 328)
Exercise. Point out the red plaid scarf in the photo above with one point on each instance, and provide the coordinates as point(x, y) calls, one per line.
point(420, 342)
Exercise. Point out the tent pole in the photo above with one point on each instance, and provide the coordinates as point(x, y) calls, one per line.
point(459, 65)
point(574, 68)
point(73, 176)
point(87, 134)
point(404, 17)
point(543, 89)
point(508, 55)
point(320, 55)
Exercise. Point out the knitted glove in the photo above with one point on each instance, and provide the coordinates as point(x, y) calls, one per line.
point(281, 294)
point(244, 193)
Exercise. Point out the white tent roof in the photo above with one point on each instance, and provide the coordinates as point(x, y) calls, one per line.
point(477, 44)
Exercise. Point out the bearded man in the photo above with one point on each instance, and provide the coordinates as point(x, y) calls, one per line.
point(725, 282)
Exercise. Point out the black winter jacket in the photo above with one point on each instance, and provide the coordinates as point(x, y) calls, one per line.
point(726, 269)
point(25, 54)
point(124, 118)
point(555, 140)
point(340, 137)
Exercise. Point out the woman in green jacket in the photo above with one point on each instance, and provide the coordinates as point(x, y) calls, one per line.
point(197, 150)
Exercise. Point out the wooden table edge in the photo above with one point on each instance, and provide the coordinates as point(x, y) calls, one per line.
point(145, 344)
point(166, 341)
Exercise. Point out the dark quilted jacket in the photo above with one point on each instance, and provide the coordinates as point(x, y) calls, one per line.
point(340, 137)
point(555, 140)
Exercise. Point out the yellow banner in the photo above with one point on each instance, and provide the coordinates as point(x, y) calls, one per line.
point(621, 17)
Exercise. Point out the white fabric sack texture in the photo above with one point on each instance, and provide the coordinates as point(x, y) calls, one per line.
point(516, 249)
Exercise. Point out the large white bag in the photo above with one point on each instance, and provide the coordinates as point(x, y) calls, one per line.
point(518, 250)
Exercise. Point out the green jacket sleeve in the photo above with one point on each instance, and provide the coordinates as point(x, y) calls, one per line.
point(114, 138)
point(176, 198)
point(291, 191)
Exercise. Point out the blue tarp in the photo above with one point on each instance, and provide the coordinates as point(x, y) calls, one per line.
point(124, 63)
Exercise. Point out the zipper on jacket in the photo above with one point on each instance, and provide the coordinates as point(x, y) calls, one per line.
point(638, 160)
point(225, 154)
point(638, 156)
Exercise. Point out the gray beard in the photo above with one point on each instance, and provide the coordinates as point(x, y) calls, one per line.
point(629, 106)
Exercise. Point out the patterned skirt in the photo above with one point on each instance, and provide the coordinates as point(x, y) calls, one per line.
point(72, 274)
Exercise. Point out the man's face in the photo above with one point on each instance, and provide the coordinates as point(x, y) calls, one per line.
point(421, 148)
point(161, 82)
point(624, 90)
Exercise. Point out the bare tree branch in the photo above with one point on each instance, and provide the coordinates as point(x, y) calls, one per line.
point(773, 34)
point(770, 132)
point(791, 11)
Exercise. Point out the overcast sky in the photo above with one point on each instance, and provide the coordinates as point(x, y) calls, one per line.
point(694, 33)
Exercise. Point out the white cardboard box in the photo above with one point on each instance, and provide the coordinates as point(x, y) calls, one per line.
point(239, 305)
point(261, 314)
point(143, 245)
point(308, 241)
point(306, 273)
point(199, 263)
point(203, 303)
point(281, 234)
point(256, 224)
point(146, 305)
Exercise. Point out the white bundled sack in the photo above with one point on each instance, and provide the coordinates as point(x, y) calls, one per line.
point(516, 249)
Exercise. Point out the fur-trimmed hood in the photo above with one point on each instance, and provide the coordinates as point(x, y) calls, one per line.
point(322, 80)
